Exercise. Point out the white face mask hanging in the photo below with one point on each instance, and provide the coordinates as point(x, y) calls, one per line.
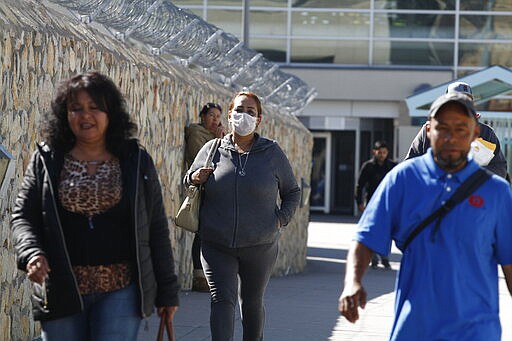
point(242, 123)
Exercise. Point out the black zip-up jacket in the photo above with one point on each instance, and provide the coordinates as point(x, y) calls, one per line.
point(497, 165)
point(370, 176)
point(37, 230)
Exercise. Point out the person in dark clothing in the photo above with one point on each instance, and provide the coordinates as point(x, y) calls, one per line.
point(196, 135)
point(371, 174)
point(89, 225)
point(240, 219)
point(486, 148)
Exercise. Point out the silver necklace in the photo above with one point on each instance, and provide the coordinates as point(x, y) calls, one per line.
point(241, 171)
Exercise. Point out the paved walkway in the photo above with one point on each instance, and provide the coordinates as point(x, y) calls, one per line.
point(303, 307)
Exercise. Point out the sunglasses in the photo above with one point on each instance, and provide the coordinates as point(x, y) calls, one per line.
point(211, 105)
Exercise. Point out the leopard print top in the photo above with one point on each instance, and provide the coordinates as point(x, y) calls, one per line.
point(102, 278)
point(80, 192)
point(91, 194)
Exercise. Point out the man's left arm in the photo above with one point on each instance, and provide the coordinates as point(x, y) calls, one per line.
point(507, 270)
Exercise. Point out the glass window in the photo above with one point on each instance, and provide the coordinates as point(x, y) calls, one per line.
point(498, 104)
point(269, 3)
point(272, 49)
point(228, 20)
point(412, 53)
point(318, 173)
point(485, 27)
point(330, 24)
point(183, 3)
point(472, 54)
point(463, 73)
point(267, 23)
point(225, 2)
point(329, 51)
point(417, 4)
point(331, 3)
point(479, 5)
point(399, 25)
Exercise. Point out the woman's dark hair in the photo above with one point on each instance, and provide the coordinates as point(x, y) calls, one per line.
point(106, 96)
point(209, 106)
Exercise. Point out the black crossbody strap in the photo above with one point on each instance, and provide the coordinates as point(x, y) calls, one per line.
point(469, 186)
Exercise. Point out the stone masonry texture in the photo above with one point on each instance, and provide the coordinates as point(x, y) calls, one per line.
point(40, 46)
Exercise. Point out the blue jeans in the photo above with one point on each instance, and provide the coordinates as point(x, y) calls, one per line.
point(112, 316)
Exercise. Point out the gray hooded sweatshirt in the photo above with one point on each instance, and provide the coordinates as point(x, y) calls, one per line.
point(241, 211)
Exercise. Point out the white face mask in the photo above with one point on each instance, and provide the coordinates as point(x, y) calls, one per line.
point(242, 123)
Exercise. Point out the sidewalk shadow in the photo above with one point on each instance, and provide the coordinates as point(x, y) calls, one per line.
point(322, 261)
point(379, 285)
point(305, 306)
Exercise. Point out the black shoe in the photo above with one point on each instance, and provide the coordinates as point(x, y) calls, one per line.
point(375, 261)
point(386, 265)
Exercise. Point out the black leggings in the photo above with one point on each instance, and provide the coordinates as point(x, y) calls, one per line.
point(196, 252)
point(222, 267)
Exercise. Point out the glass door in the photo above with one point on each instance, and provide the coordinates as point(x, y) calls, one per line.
point(344, 146)
point(321, 173)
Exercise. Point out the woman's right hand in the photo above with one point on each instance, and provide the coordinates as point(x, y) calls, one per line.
point(38, 269)
point(200, 176)
point(220, 131)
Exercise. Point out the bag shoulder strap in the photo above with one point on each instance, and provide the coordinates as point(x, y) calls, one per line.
point(215, 145)
point(469, 186)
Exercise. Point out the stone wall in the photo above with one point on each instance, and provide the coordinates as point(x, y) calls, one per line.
point(39, 47)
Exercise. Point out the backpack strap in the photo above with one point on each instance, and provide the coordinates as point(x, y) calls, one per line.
point(468, 187)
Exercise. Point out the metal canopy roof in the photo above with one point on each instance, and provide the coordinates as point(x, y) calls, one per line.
point(486, 84)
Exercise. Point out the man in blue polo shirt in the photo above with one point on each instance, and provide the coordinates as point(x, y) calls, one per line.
point(447, 286)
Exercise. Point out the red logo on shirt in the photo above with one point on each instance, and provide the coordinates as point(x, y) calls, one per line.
point(476, 200)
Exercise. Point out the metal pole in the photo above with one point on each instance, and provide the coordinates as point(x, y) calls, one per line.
point(245, 22)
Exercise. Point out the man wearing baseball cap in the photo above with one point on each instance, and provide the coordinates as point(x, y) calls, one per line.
point(460, 87)
point(447, 286)
point(486, 148)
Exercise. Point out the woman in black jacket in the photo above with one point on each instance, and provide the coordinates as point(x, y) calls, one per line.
point(89, 224)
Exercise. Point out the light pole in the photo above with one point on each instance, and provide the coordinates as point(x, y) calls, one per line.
point(245, 22)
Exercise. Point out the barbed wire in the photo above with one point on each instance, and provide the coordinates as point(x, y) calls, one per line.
point(181, 36)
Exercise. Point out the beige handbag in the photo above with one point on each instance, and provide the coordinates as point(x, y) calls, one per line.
point(188, 215)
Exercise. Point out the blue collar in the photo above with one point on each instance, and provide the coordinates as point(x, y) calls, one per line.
point(439, 174)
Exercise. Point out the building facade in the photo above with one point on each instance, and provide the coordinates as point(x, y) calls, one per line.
point(365, 57)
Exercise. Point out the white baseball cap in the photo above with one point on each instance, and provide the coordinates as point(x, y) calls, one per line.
point(461, 87)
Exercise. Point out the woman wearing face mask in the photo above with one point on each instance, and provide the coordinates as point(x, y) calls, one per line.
point(240, 219)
